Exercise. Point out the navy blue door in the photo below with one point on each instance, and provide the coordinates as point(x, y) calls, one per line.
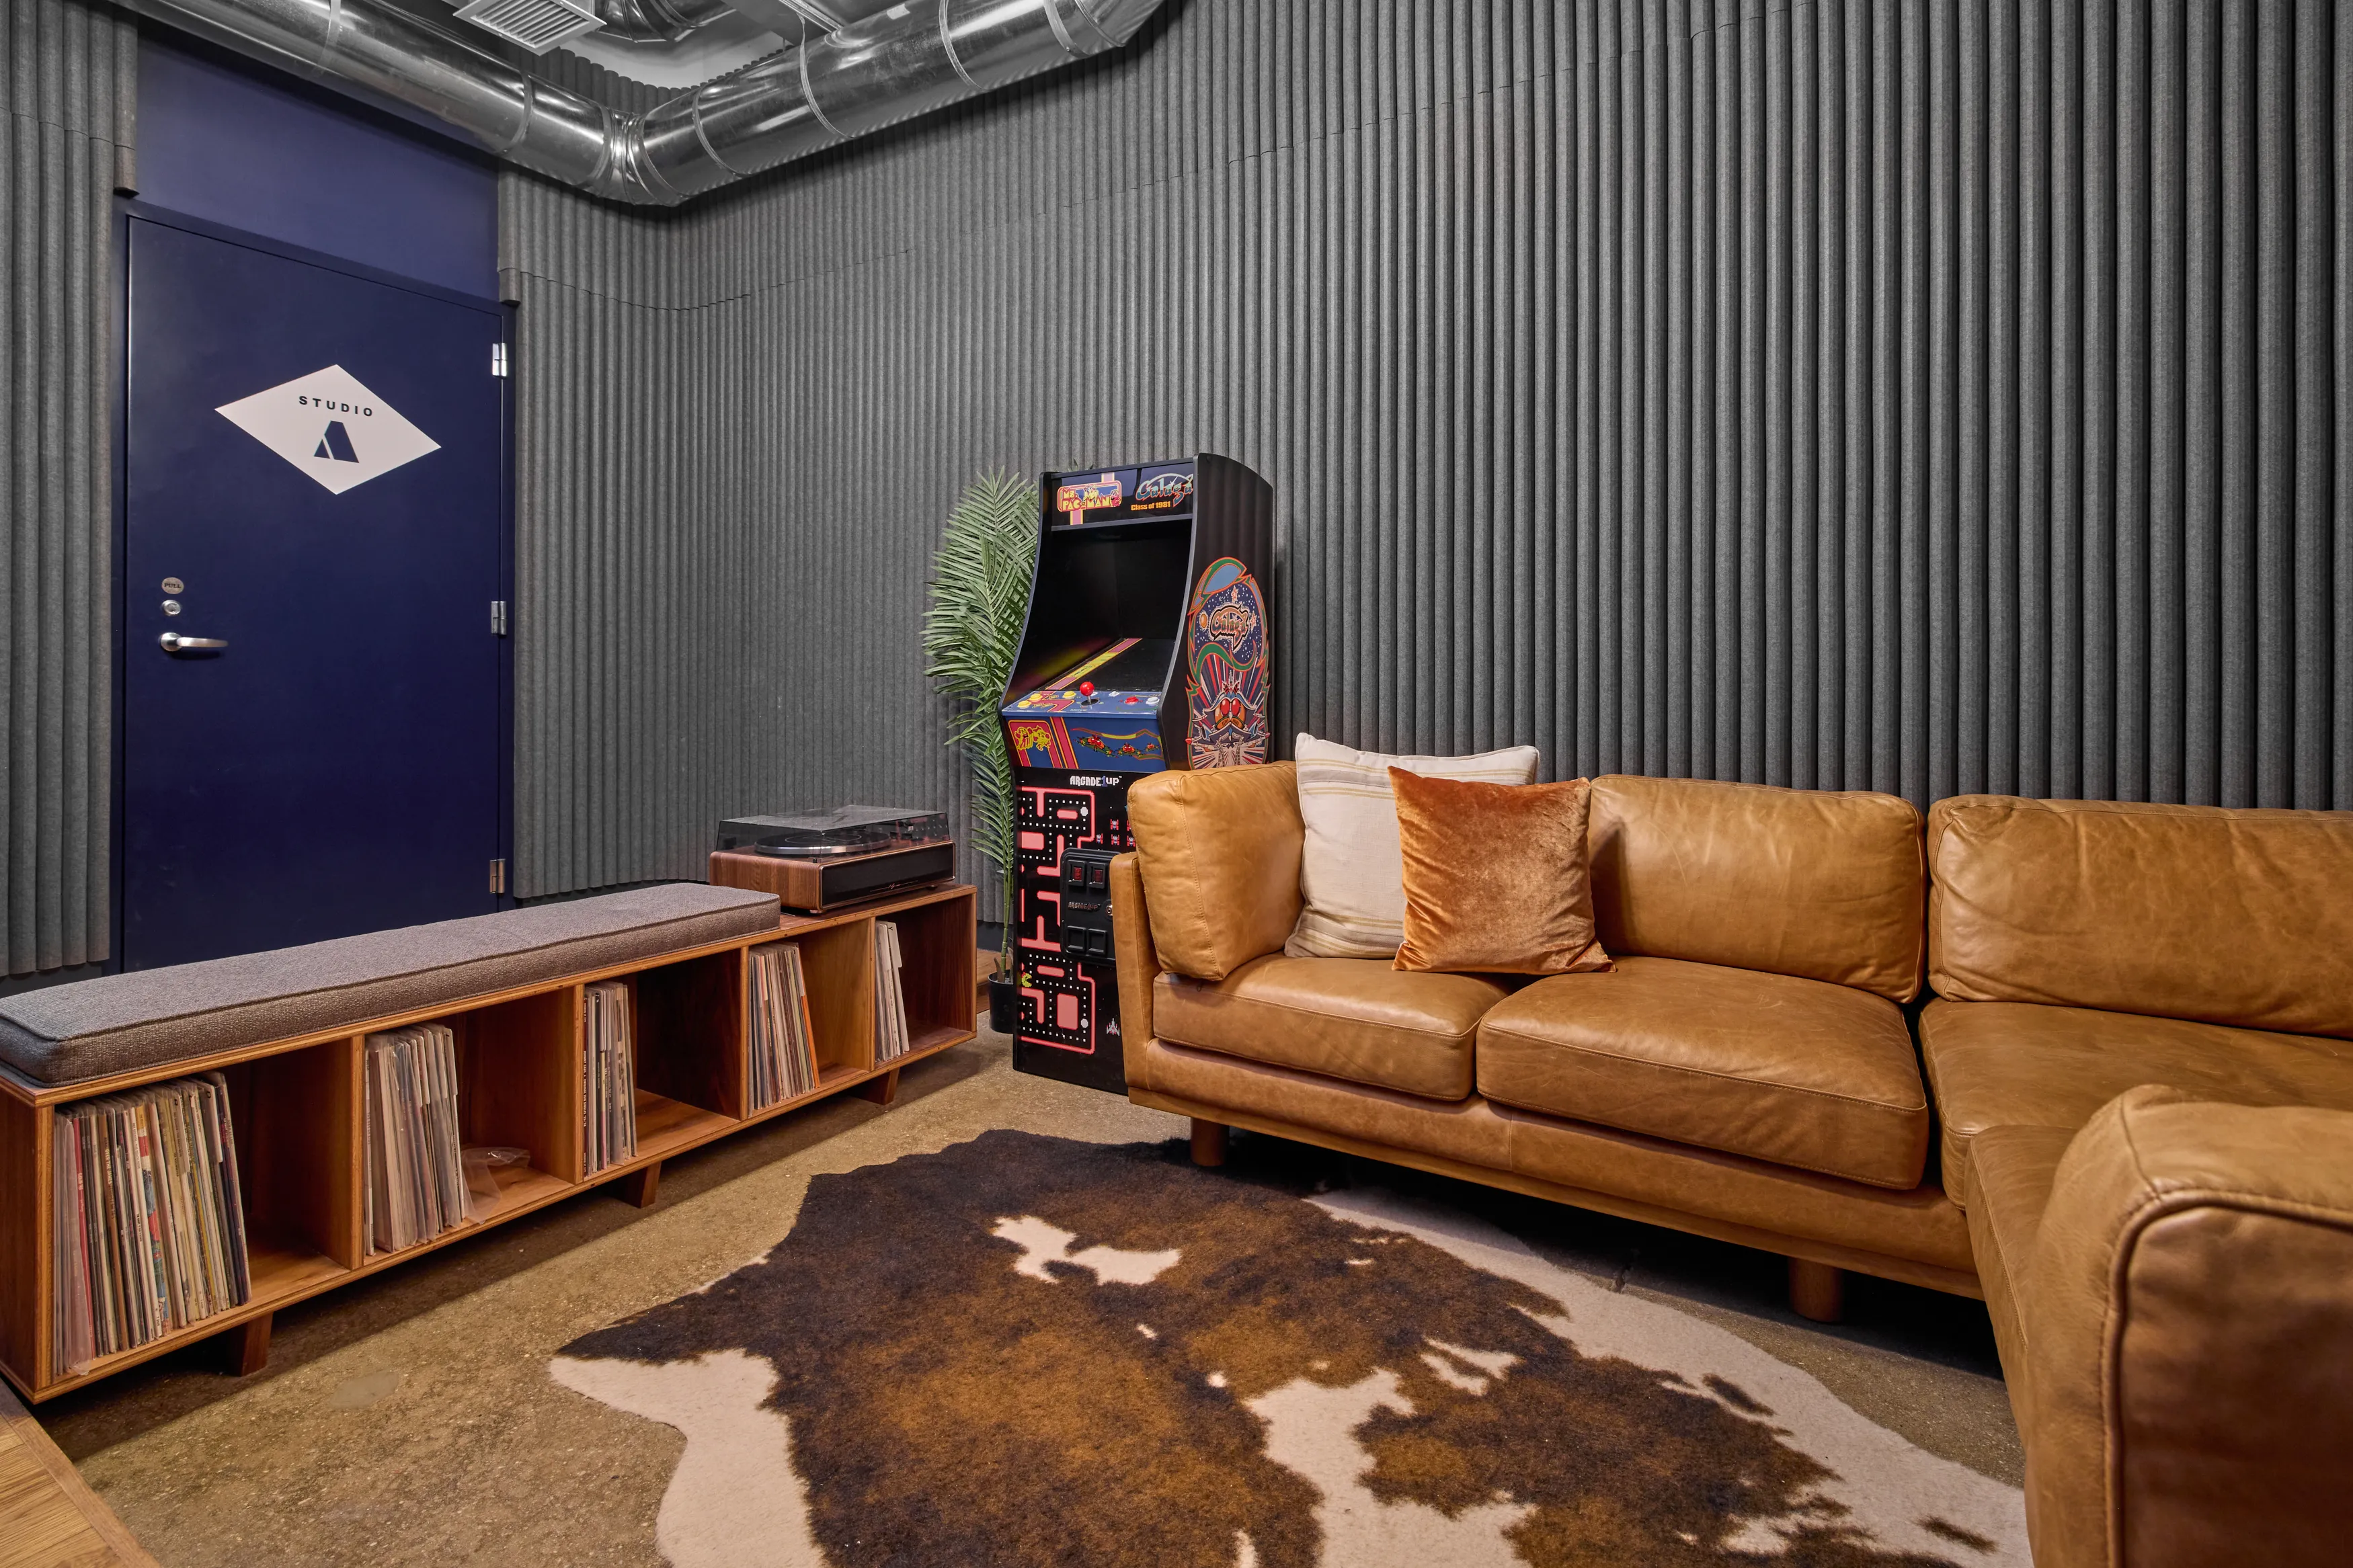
point(313, 475)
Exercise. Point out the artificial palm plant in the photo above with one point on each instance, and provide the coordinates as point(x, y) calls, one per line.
point(972, 632)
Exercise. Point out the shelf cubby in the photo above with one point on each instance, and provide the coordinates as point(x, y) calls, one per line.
point(293, 1120)
point(838, 961)
point(295, 1117)
point(517, 1088)
point(688, 1034)
point(519, 1082)
point(936, 945)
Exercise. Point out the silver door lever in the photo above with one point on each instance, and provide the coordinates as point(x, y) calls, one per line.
point(174, 643)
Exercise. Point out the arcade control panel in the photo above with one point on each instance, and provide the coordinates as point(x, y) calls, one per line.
point(1084, 697)
point(1098, 712)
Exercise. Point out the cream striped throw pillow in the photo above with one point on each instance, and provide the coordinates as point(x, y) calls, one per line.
point(1351, 872)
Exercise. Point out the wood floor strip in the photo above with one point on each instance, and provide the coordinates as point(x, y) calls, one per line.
point(48, 1515)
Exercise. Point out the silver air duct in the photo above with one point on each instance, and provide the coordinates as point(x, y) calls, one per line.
point(668, 21)
point(658, 21)
point(832, 15)
point(655, 24)
point(915, 57)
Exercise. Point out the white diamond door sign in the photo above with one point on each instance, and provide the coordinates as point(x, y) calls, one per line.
point(330, 427)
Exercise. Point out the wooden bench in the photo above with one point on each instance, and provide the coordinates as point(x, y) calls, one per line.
point(286, 1028)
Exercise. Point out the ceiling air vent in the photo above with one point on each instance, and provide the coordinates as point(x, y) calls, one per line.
point(537, 25)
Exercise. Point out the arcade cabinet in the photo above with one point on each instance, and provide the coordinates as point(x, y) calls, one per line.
point(1145, 649)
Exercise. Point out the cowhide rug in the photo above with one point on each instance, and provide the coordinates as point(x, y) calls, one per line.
point(1024, 1350)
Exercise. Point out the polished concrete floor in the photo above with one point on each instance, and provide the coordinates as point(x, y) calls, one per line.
point(411, 1419)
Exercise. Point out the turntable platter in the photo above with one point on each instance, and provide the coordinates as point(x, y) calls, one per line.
point(813, 851)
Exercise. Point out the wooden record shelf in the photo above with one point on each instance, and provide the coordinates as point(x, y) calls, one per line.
point(297, 1108)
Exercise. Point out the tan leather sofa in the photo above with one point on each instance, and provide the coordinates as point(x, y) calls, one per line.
point(2170, 1269)
point(1746, 1071)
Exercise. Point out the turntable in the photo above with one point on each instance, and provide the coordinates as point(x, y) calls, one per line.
point(817, 861)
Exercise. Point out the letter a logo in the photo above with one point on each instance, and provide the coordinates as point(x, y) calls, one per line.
point(336, 444)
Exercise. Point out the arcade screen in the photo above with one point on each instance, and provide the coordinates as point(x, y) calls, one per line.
point(1095, 591)
point(1135, 664)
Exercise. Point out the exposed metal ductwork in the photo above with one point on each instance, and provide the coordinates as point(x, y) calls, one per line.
point(658, 21)
point(832, 15)
point(668, 21)
point(915, 57)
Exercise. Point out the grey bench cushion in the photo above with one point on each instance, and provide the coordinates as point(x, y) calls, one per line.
point(121, 1022)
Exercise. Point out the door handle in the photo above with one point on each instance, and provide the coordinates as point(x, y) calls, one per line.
point(174, 643)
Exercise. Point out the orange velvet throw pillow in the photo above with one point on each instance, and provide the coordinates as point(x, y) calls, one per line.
point(1496, 877)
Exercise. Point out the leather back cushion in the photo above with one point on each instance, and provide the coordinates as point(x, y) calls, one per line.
point(1220, 853)
point(2239, 917)
point(1812, 883)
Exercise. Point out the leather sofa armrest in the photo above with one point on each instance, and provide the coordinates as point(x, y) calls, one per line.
point(1139, 965)
point(2191, 1309)
point(1219, 850)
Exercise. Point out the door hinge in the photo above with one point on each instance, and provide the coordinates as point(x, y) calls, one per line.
point(497, 617)
point(498, 359)
point(498, 875)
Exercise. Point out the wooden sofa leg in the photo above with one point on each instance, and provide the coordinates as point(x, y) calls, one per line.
point(641, 1187)
point(1209, 1141)
point(1817, 1290)
point(249, 1345)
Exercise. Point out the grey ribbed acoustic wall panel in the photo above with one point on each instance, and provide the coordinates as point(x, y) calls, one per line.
point(1924, 396)
point(68, 96)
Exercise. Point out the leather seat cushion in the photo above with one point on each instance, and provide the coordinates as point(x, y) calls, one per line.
point(1353, 1019)
point(1798, 1072)
point(1996, 1064)
point(1605, 1169)
point(2010, 1178)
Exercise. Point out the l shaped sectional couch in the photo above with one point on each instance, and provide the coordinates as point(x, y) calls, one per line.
point(2090, 1061)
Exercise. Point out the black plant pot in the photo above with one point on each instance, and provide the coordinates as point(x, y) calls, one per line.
point(1004, 1005)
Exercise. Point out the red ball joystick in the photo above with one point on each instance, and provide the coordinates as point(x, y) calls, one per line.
point(1086, 688)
